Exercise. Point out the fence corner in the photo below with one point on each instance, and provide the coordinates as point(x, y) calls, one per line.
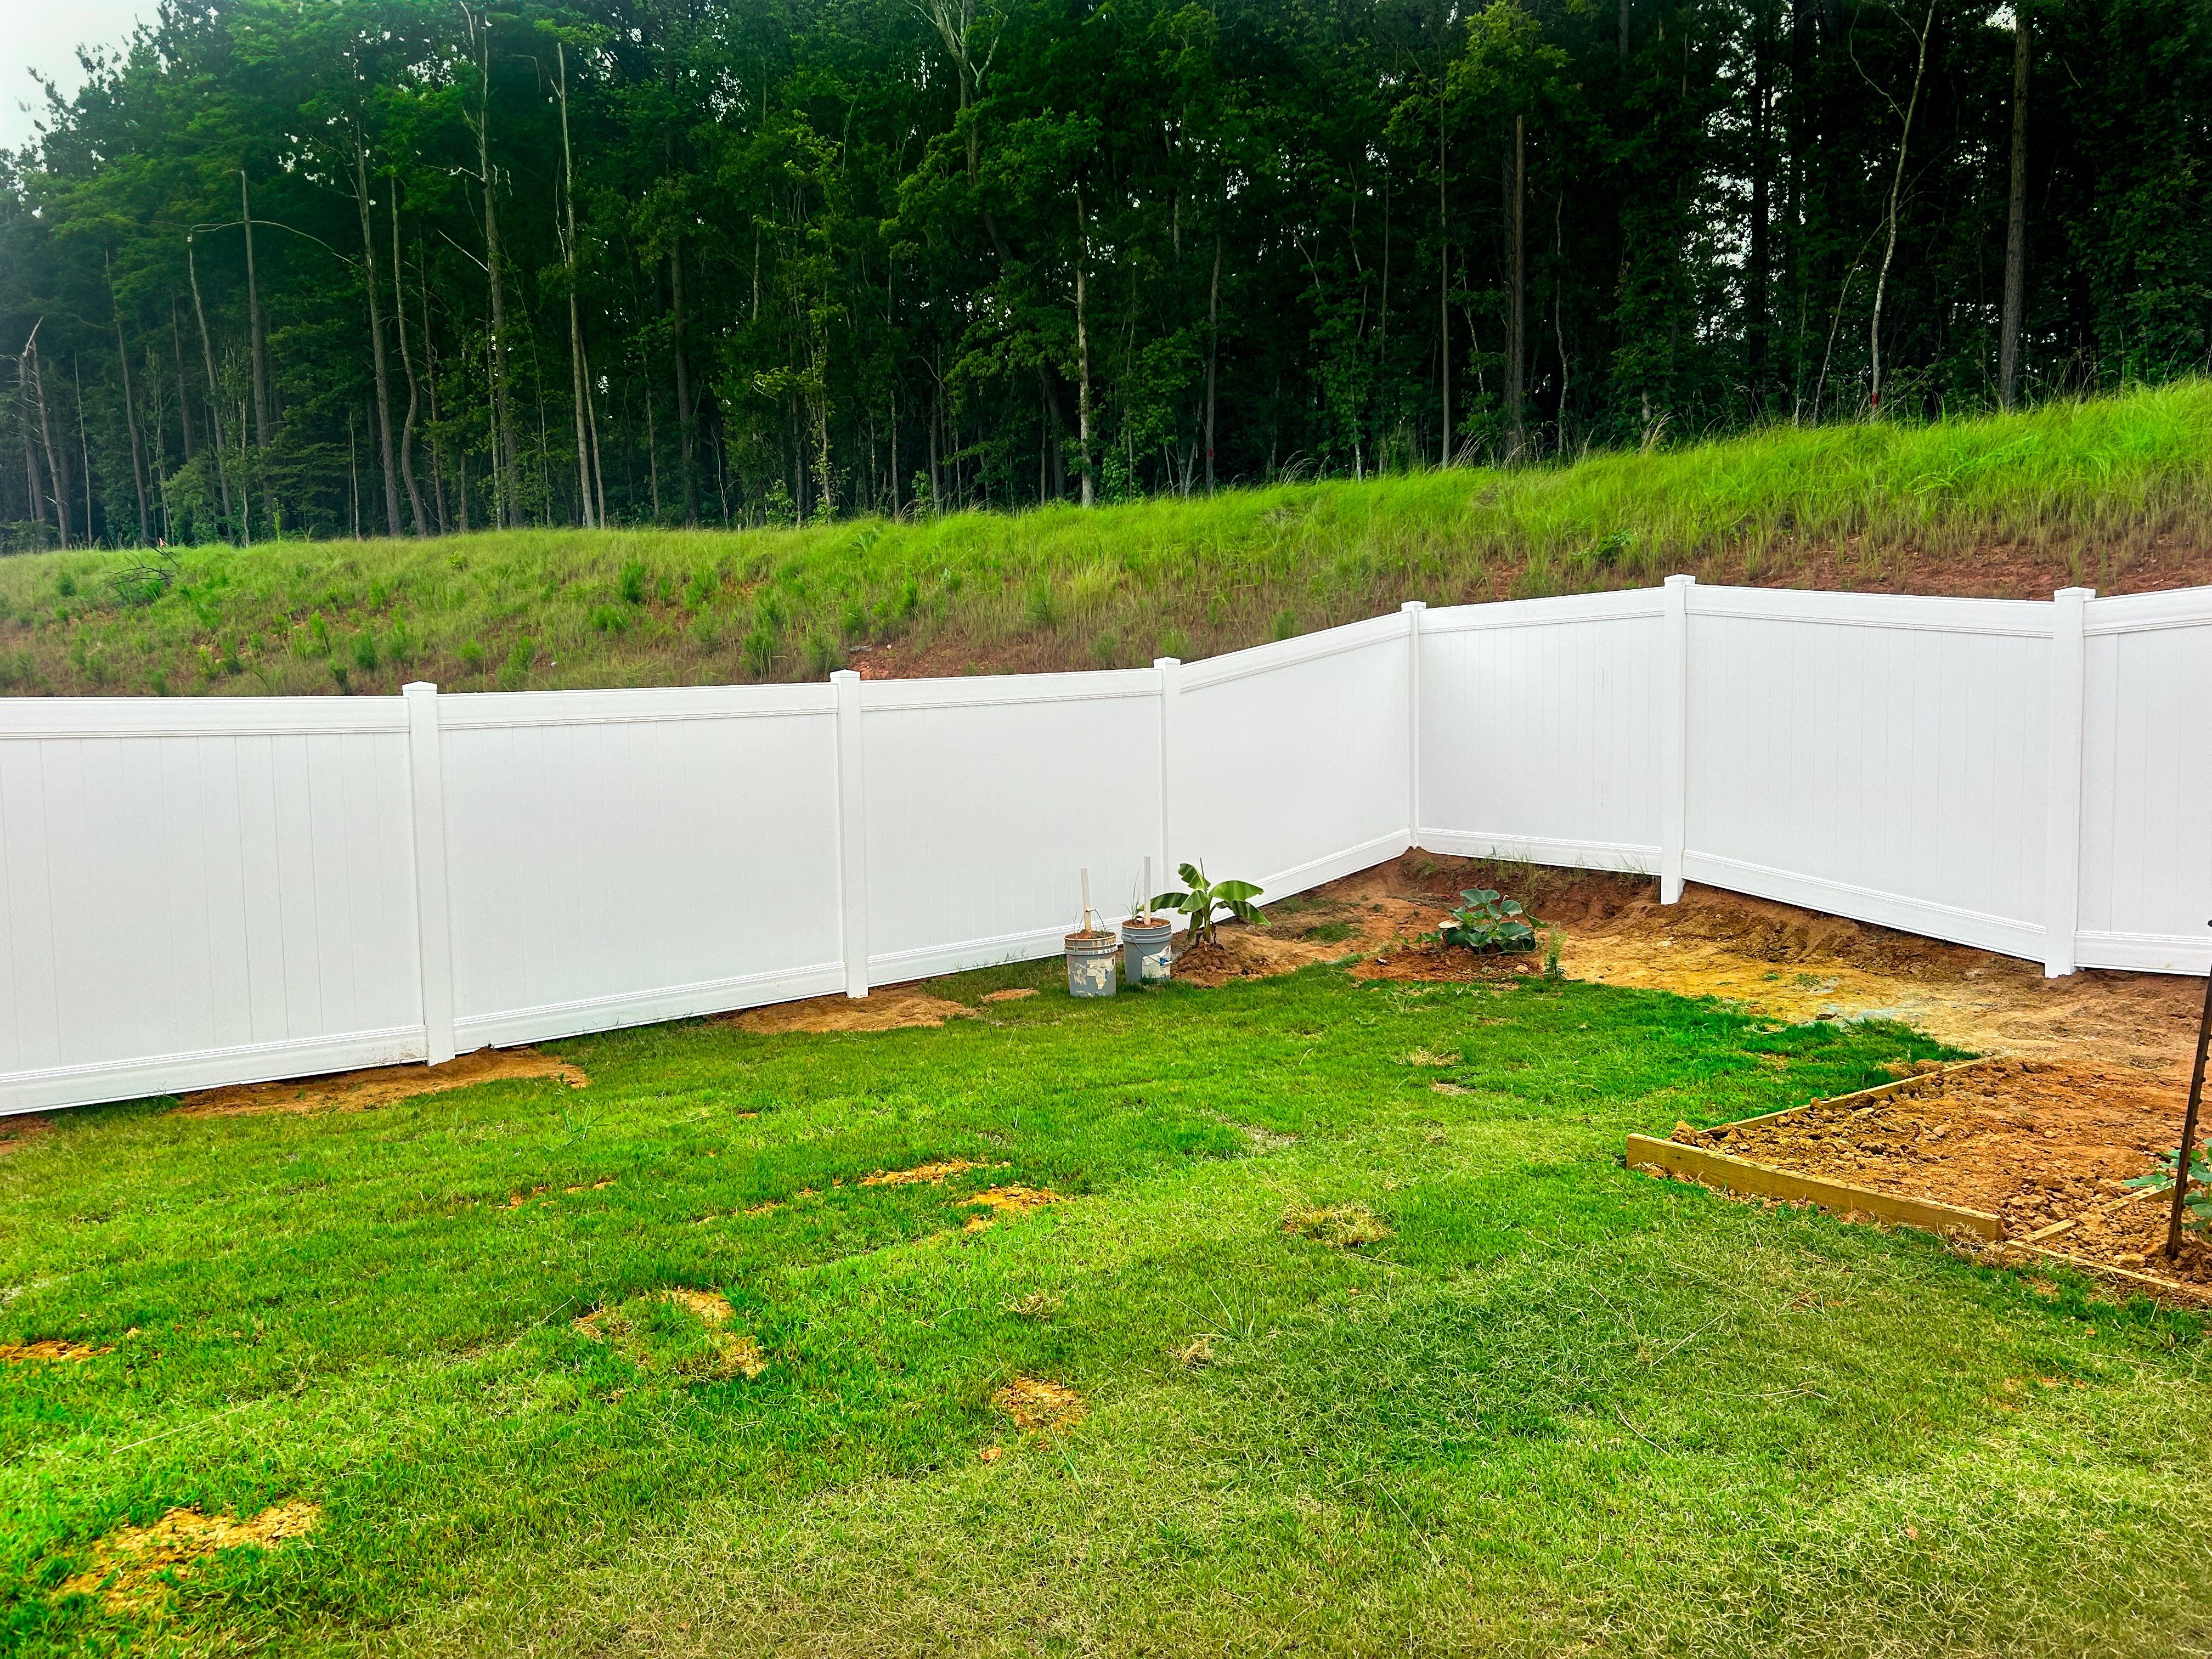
point(2064, 739)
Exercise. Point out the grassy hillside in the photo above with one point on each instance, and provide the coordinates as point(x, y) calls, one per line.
point(2116, 492)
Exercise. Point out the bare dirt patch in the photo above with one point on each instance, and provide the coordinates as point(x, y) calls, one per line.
point(48, 1350)
point(17, 1133)
point(1038, 1407)
point(358, 1091)
point(894, 1008)
point(931, 1174)
point(1345, 1226)
point(727, 1352)
point(135, 1569)
point(1016, 994)
point(1012, 1202)
point(1774, 960)
point(2033, 1141)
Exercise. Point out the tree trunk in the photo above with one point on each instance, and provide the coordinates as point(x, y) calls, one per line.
point(1443, 290)
point(1758, 265)
point(130, 415)
point(1896, 189)
point(83, 443)
point(1516, 297)
point(253, 322)
point(505, 457)
point(2016, 270)
point(1212, 355)
point(184, 385)
point(376, 334)
point(214, 396)
point(35, 495)
point(576, 381)
point(407, 364)
point(684, 427)
point(430, 379)
point(1082, 353)
point(1624, 31)
point(57, 460)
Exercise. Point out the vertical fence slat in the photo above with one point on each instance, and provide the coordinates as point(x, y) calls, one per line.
point(1674, 736)
point(1414, 609)
point(1170, 673)
point(2063, 750)
point(853, 830)
point(433, 931)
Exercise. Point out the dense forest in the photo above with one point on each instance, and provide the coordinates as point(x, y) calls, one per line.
point(330, 267)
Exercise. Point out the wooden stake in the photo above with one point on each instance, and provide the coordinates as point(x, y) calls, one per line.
point(2189, 1128)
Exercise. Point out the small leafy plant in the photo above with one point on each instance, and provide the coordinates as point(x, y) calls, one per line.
point(2198, 1205)
point(1201, 899)
point(1488, 921)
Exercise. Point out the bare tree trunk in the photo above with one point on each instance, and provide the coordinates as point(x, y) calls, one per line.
point(652, 460)
point(407, 364)
point(505, 459)
point(2016, 270)
point(253, 321)
point(83, 442)
point(184, 385)
point(1443, 290)
point(1213, 354)
point(35, 495)
point(575, 325)
point(683, 428)
point(1082, 351)
point(129, 411)
point(1758, 265)
point(376, 333)
point(1516, 297)
point(1624, 31)
point(214, 396)
point(430, 379)
point(57, 460)
point(1896, 189)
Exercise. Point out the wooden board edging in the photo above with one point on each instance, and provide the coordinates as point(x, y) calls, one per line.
point(2151, 1284)
point(1741, 1175)
point(1880, 1091)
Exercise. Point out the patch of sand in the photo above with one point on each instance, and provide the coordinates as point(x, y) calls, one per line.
point(358, 1091)
point(1014, 995)
point(134, 1569)
point(17, 1133)
point(931, 1174)
point(893, 1008)
point(1040, 1408)
point(48, 1350)
point(1015, 1200)
point(734, 1352)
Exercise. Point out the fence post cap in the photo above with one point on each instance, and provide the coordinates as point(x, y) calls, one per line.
point(420, 689)
point(1679, 580)
point(1415, 604)
point(2074, 592)
point(840, 675)
point(1167, 662)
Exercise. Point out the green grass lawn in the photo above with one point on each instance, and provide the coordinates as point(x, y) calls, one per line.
point(1560, 1408)
point(2089, 483)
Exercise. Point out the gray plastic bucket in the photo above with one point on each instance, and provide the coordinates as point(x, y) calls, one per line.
point(1091, 964)
point(1148, 949)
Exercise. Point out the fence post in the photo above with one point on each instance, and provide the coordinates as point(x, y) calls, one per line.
point(1170, 670)
point(1414, 609)
point(434, 929)
point(852, 830)
point(2063, 745)
point(1673, 735)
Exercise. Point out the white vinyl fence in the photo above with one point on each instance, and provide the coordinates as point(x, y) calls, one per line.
point(214, 890)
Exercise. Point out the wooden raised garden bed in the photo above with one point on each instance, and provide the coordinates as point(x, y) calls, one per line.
point(2027, 1159)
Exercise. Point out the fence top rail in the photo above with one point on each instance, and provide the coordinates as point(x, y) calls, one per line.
point(482, 710)
point(2024, 618)
point(1286, 654)
point(1086, 685)
point(1621, 605)
point(2134, 613)
point(54, 718)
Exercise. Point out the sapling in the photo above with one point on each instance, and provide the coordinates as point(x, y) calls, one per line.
point(1201, 898)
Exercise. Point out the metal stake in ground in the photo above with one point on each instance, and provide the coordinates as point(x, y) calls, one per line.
point(2189, 1125)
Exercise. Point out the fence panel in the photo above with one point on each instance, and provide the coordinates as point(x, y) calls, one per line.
point(618, 857)
point(203, 892)
point(1290, 762)
point(1872, 755)
point(1539, 736)
point(2146, 783)
point(986, 797)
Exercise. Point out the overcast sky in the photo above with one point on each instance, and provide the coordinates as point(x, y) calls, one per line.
point(44, 34)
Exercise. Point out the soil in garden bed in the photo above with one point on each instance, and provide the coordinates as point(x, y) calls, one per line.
point(2034, 1142)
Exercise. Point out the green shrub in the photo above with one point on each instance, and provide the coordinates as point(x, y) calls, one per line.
point(631, 583)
